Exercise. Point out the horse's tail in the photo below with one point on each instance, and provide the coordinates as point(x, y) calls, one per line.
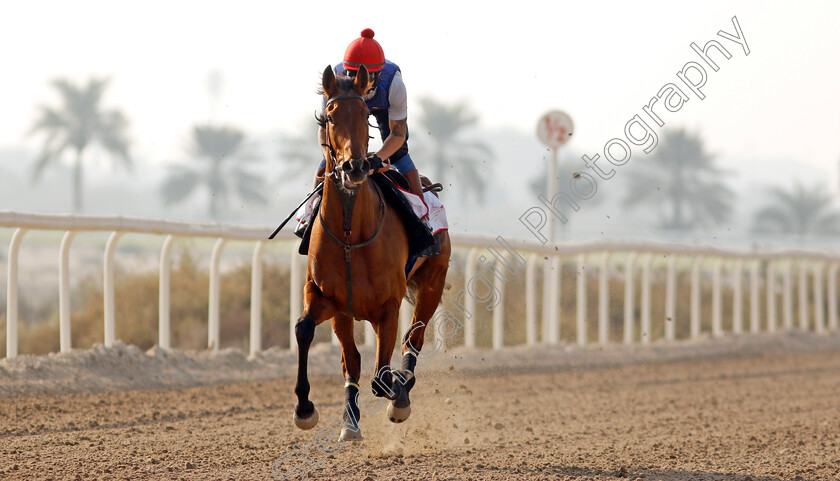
point(412, 285)
point(409, 292)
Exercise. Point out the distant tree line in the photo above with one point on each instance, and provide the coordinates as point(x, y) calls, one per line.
point(221, 161)
point(681, 181)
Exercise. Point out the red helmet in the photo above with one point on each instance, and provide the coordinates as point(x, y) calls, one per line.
point(364, 51)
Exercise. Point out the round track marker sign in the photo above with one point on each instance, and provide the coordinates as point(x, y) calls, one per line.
point(555, 128)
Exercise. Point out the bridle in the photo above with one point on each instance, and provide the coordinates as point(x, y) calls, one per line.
point(329, 145)
point(347, 210)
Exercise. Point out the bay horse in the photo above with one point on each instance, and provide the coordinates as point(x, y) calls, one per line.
point(356, 266)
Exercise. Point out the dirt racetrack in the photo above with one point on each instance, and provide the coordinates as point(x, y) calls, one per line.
point(759, 417)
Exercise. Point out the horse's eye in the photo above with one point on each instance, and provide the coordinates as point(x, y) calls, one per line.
point(330, 119)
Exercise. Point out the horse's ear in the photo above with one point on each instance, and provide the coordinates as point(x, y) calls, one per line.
point(328, 81)
point(361, 81)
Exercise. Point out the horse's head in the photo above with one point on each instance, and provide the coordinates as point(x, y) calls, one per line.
point(346, 123)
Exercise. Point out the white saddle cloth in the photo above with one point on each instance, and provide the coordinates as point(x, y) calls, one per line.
point(432, 210)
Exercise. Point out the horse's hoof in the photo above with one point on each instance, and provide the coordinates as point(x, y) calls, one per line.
point(350, 434)
point(398, 415)
point(306, 423)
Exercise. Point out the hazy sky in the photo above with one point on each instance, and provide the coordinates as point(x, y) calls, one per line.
point(599, 61)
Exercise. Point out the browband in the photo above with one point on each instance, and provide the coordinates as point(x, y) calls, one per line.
point(345, 96)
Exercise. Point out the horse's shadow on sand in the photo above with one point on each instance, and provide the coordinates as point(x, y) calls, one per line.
point(662, 475)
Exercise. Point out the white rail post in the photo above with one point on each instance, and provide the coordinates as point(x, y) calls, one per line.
point(771, 296)
point(787, 296)
point(717, 304)
point(546, 300)
point(215, 288)
point(64, 291)
point(695, 297)
point(334, 340)
point(108, 287)
point(755, 305)
point(554, 298)
point(803, 296)
point(645, 329)
point(12, 294)
point(164, 325)
point(819, 313)
point(469, 273)
point(440, 340)
point(671, 299)
point(628, 299)
point(295, 296)
point(737, 298)
point(603, 300)
point(370, 335)
point(405, 320)
point(499, 310)
point(832, 297)
point(531, 300)
point(581, 300)
point(256, 299)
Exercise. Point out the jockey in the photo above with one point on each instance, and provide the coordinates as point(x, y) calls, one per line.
point(387, 101)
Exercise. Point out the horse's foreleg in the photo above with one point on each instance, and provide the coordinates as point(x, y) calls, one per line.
point(387, 382)
point(386, 327)
point(351, 364)
point(317, 310)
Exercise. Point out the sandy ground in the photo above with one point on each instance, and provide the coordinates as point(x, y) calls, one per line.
point(761, 409)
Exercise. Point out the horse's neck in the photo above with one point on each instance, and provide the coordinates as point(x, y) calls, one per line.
point(336, 204)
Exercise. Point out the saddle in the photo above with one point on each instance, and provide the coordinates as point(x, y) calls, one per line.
point(421, 242)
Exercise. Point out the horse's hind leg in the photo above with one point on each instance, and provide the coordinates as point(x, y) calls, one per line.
point(428, 284)
point(317, 310)
point(351, 363)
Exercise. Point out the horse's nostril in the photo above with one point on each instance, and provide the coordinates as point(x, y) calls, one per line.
point(355, 165)
point(346, 167)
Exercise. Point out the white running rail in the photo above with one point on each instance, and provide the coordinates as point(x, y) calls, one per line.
point(489, 261)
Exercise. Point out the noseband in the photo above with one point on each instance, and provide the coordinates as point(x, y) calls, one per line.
point(329, 140)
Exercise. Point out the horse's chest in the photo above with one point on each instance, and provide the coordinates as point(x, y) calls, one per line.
point(331, 277)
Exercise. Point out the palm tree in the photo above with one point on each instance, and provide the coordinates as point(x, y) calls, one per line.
point(800, 211)
point(78, 123)
point(454, 158)
point(683, 181)
point(223, 156)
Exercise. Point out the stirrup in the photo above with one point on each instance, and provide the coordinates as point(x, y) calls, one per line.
point(300, 230)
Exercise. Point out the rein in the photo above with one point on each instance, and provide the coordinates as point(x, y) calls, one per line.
point(347, 214)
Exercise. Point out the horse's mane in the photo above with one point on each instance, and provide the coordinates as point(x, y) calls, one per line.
point(343, 83)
